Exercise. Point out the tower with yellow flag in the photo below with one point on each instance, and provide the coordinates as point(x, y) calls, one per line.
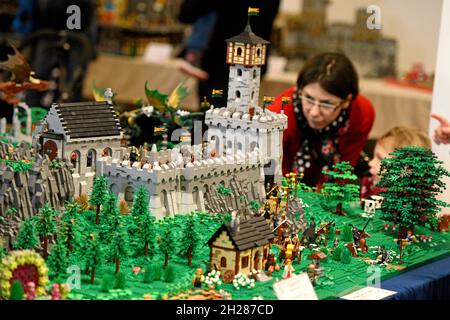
point(244, 126)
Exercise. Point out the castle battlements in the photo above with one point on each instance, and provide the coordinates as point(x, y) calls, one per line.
point(180, 186)
point(262, 120)
point(162, 172)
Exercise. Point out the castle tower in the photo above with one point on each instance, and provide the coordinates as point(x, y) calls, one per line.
point(243, 127)
point(246, 53)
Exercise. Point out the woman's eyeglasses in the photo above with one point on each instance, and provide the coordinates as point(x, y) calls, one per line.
point(324, 107)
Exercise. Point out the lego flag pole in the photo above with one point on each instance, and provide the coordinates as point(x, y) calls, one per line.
point(216, 95)
point(252, 12)
point(441, 94)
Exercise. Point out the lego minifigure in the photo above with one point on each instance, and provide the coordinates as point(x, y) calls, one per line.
point(383, 255)
point(363, 245)
point(288, 269)
point(56, 294)
point(198, 278)
point(271, 264)
point(311, 271)
point(31, 290)
point(309, 235)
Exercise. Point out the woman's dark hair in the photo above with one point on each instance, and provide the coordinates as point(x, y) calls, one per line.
point(334, 72)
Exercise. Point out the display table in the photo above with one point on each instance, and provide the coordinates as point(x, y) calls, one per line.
point(394, 105)
point(431, 281)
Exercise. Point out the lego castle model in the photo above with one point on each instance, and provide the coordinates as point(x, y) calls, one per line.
point(309, 34)
point(244, 144)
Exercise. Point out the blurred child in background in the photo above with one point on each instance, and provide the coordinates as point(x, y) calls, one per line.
point(397, 137)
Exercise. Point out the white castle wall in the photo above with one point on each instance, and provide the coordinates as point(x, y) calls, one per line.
point(242, 132)
point(247, 84)
point(178, 187)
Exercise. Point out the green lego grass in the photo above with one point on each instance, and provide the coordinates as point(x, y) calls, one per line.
point(339, 278)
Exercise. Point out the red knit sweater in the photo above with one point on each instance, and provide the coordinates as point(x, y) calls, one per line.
point(362, 116)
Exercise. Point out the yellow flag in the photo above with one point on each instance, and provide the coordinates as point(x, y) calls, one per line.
point(253, 11)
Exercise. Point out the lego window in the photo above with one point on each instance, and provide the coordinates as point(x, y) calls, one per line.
point(223, 262)
point(244, 262)
point(50, 149)
point(238, 94)
point(258, 52)
point(129, 194)
point(239, 52)
point(114, 188)
point(239, 72)
point(253, 146)
point(254, 74)
point(257, 260)
point(75, 158)
point(107, 152)
point(90, 159)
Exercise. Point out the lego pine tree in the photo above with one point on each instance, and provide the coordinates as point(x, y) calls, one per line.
point(412, 178)
point(117, 236)
point(69, 228)
point(16, 291)
point(166, 241)
point(148, 233)
point(346, 256)
point(140, 206)
point(99, 194)
point(57, 260)
point(45, 226)
point(93, 254)
point(27, 238)
point(340, 190)
point(190, 238)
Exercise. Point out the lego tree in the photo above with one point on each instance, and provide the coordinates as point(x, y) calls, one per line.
point(140, 206)
point(99, 194)
point(190, 237)
point(166, 241)
point(69, 228)
point(340, 190)
point(347, 233)
point(27, 238)
point(57, 260)
point(412, 178)
point(346, 256)
point(117, 236)
point(148, 234)
point(337, 253)
point(93, 254)
point(45, 226)
point(17, 292)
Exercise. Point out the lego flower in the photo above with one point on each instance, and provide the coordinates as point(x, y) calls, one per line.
point(136, 270)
